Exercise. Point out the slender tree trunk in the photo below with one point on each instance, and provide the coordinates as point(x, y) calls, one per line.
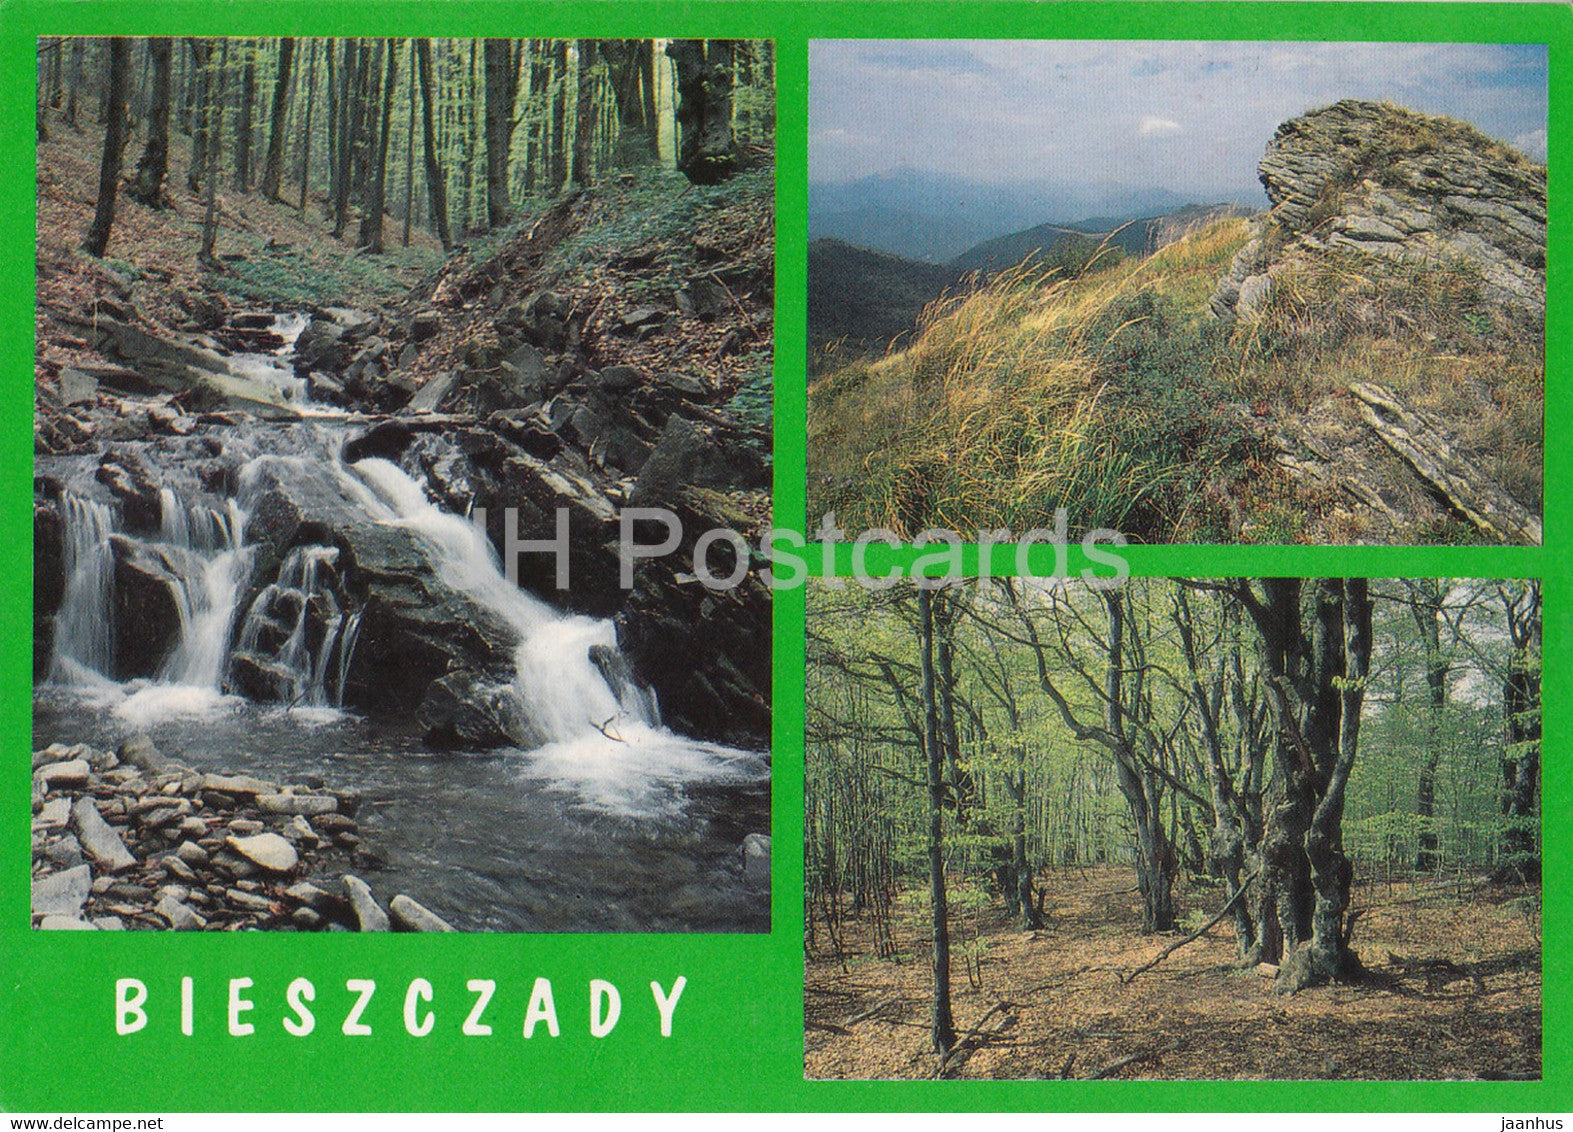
point(349, 131)
point(1426, 605)
point(114, 142)
point(942, 1028)
point(377, 180)
point(78, 47)
point(273, 168)
point(559, 177)
point(435, 187)
point(215, 116)
point(409, 155)
point(248, 97)
point(201, 53)
point(305, 138)
point(148, 187)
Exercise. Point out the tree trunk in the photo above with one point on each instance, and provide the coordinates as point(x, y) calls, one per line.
point(78, 47)
point(1520, 854)
point(349, 130)
point(942, 1029)
point(1317, 665)
point(273, 169)
point(305, 137)
point(584, 116)
point(559, 141)
point(215, 118)
point(502, 89)
point(148, 187)
point(1426, 597)
point(707, 152)
point(248, 98)
point(114, 142)
point(377, 179)
point(201, 52)
point(435, 186)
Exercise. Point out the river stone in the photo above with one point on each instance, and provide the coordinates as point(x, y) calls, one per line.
point(54, 753)
point(56, 811)
point(101, 842)
point(178, 869)
point(67, 852)
point(108, 923)
point(414, 917)
point(308, 805)
point(193, 854)
point(65, 924)
point(368, 913)
point(140, 752)
point(268, 850)
point(299, 829)
point(307, 893)
point(306, 919)
point(756, 859)
point(193, 827)
point(246, 827)
point(72, 772)
point(237, 784)
point(180, 917)
point(248, 901)
point(62, 894)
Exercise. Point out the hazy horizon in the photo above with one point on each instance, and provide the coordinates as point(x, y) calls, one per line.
point(1191, 118)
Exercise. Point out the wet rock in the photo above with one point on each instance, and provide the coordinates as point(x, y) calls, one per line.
point(756, 860)
point(308, 805)
point(178, 869)
point(64, 775)
point(63, 893)
point(266, 850)
point(368, 913)
point(134, 489)
point(413, 917)
point(239, 784)
point(139, 751)
point(65, 853)
point(307, 919)
point(464, 710)
point(98, 839)
point(193, 854)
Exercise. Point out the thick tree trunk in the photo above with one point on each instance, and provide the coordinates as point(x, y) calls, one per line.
point(584, 116)
point(559, 139)
point(78, 46)
point(435, 186)
point(114, 143)
point(942, 1029)
point(273, 169)
point(148, 187)
point(1520, 853)
point(706, 151)
point(1317, 666)
point(350, 102)
point(502, 89)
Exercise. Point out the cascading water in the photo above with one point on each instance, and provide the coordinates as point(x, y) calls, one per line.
point(84, 637)
point(563, 693)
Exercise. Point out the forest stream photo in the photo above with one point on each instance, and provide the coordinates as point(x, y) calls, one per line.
point(333, 337)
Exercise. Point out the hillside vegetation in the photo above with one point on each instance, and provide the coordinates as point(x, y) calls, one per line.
point(1382, 384)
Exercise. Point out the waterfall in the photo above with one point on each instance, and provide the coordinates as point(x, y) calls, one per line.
point(284, 620)
point(564, 692)
point(84, 641)
point(206, 598)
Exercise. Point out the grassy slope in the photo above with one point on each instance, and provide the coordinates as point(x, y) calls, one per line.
point(1113, 396)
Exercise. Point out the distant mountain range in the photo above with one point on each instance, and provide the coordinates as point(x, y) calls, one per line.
point(865, 298)
point(934, 217)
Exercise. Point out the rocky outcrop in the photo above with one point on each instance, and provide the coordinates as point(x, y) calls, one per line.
point(1383, 181)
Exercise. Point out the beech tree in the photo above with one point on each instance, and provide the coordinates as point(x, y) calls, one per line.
point(114, 143)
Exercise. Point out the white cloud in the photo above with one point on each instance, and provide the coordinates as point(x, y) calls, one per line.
point(1532, 144)
point(1155, 125)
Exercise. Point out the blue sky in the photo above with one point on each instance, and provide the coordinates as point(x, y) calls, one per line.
point(1191, 117)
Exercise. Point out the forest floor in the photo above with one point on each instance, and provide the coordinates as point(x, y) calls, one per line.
point(274, 256)
point(1453, 991)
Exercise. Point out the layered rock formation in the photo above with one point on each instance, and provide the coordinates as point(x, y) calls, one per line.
point(1384, 181)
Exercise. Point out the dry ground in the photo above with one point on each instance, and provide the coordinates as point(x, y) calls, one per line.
point(1197, 1014)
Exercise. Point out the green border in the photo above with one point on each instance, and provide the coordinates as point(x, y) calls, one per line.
point(738, 1037)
